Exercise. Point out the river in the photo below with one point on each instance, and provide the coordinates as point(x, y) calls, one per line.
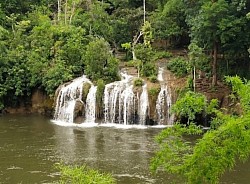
point(30, 145)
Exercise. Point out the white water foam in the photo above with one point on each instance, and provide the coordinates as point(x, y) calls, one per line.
point(119, 101)
point(109, 125)
point(144, 105)
point(90, 109)
point(164, 102)
point(67, 98)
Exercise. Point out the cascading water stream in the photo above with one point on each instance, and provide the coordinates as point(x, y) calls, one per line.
point(144, 105)
point(160, 75)
point(67, 98)
point(164, 102)
point(119, 101)
point(122, 103)
point(90, 108)
point(163, 105)
point(128, 105)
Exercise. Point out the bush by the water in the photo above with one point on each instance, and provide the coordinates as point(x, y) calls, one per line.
point(192, 104)
point(83, 175)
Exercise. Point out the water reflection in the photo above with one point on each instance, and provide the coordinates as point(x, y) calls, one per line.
point(31, 145)
point(123, 152)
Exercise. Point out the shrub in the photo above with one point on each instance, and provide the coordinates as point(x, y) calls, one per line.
point(179, 66)
point(85, 91)
point(154, 91)
point(153, 78)
point(83, 175)
point(138, 82)
point(192, 104)
point(100, 90)
point(131, 63)
point(162, 54)
point(148, 69)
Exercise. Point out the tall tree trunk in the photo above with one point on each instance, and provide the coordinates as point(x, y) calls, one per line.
point(58, 10)
point(72, 12)
point(214, 66)
point(194, 79)
point(66, 12)
point(135, 40)
point(144, 11)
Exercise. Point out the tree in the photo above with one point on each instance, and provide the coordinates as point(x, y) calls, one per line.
point(169, 22)
point(198, 61)
point(99, 63)
point(126, 24)
point(3, 63)
point(220, 23)
point(219, 149)
point(206, 23)
point(95, 20)
point(248, 17)
point(66, 10)
point(56, 52)
point(144, 50)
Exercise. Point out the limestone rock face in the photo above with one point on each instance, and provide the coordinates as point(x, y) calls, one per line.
point(40, 102)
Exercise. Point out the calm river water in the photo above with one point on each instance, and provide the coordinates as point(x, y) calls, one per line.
point(31, 145)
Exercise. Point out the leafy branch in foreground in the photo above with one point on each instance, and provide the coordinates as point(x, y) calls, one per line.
point(83, 175)
point(216, 152)
point(173, 149)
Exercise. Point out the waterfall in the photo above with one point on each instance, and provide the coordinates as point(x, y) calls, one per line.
point(119, 101)
point(160, 75)
point(67, 98)
point(144, 104)
point(90, 108)
point(122, 102)
point(128, 105)
point(163, 105)
point(164, 101)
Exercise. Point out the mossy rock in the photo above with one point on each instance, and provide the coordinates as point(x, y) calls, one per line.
point(99, 98)
point(85, 90)
point(152, 97)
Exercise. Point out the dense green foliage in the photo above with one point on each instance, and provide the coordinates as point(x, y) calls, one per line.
point(179, 66)
point(99, 62)
point(45, 43)
point(83, 175)
point(193, 104)
point(39, 50)
point(138, 82)
point(99, 94)
point(219, 149)
point(218, 27)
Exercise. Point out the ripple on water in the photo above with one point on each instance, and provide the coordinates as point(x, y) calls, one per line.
point(132, 177)
point(14, 168)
